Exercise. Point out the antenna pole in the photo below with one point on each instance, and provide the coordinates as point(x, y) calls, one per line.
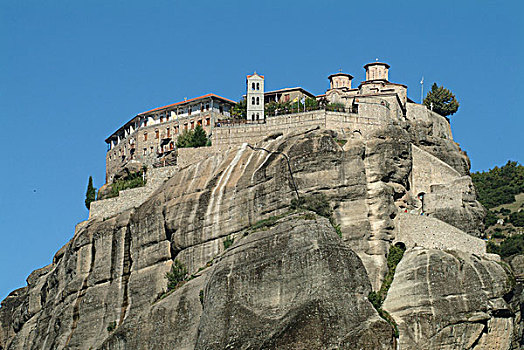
point(422, 91)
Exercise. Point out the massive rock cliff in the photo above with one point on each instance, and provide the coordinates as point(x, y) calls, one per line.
point(289, 282)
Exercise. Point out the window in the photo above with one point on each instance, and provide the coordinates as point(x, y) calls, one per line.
point(145, 151)
point(189, 111)
point(286, 98)
point(258, 86)
point(168, 132)
point(201, 108)
point(199, 122)
point(252, 100)
point(171, 145)
point(258, 101)
point(252, 86)
point(145, 136)
point(145, 122)
point(253, 116)
point(167, 118)
point(207, 107)
point(221, 109)
point(208, 121)
point(156, 134)
point(192, 124)
point(162, 118)
point(258, 116)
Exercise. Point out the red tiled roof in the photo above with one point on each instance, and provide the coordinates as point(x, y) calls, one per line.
point(186, 101)
point(249, 76)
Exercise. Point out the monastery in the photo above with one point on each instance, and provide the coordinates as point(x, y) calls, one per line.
point(149, 138)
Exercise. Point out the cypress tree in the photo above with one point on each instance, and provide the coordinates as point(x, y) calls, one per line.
point(90, 193)
point(441, 101)
point(199, 137)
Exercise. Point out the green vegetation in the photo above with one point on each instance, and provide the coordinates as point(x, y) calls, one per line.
point(193, 138)
point(176, 276)
point(499, 185)
point(90, 193)
point(508, 247)
point(441, 101)
point(274, 108)
point(267, 223)
point(395, 254)
point(239, 111)
point(335, 107)
point(111, 327)
point(319, 204)
point(132, 180)
point(228, 242)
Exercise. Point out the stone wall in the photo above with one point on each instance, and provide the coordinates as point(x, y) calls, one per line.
point(188, 156)
point(133, 197)
point(428, 170)
point(235, 135)
point(424, 231)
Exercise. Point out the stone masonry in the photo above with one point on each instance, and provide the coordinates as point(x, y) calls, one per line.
point(134, 197)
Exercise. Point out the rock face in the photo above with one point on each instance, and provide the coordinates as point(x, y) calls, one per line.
point(450, 300)
point(296, 285)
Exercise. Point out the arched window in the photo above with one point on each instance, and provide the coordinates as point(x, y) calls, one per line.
point(258, 86)
point(252, 100)
point(258, 116)
point(252, 86)
point(258, 100)
point(145, 136)
point(253, 116)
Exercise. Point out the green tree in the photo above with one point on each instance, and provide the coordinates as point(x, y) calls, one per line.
point(441, 101)
point(176, 275)
point(199, 137)
point(90, 193)
point(185, 139)
point(239, 111)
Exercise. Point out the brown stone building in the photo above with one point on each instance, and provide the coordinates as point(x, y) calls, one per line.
point(150, 136)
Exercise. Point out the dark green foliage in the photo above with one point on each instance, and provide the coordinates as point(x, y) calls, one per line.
point(266, 223)
point(228, 242)
point(490, 219)
point(504, 211)
point(90, 193)
point(111, 327)
point(176, 276)
point(517, 218)
point(394, 256)
point(239, 111)
point(201, 296)
point(441, 100)
point(193, 138)
point(377, 298)
point(199, 137)
point(499, 185)
point(498, 234)
point(317, 203)
point(132, 180)
point(335, 107)
point(510, 246)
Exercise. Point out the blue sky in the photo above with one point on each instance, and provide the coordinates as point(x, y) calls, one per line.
point(72, 72)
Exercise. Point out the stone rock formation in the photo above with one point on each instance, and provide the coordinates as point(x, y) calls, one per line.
point(290, 284)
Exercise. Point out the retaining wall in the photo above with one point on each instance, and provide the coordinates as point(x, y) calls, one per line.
point(133, 197)
point(235, 135)
point(424, 231)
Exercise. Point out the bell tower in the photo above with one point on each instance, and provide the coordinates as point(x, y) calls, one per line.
point(376, 71)
point(255, 97)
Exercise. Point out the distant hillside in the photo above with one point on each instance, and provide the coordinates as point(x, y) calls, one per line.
point(499, 185)
point(501, 190)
